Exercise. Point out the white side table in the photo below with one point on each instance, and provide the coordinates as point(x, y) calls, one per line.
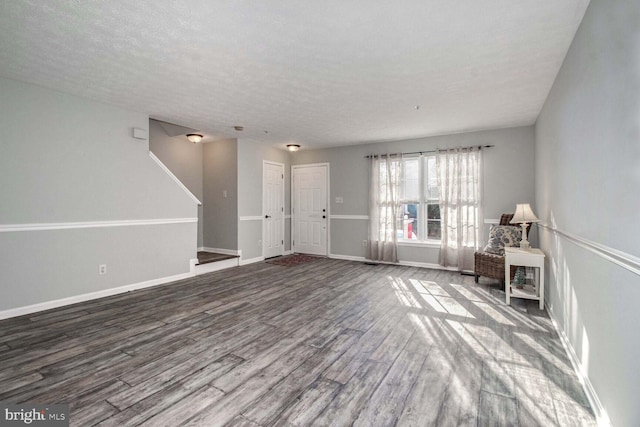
point(531, 257)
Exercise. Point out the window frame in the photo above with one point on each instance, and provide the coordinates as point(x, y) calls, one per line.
point(422, 205)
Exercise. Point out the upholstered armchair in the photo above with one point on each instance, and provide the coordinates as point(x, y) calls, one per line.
point(491, 264)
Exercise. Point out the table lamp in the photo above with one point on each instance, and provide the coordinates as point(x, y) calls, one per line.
point(523, 216)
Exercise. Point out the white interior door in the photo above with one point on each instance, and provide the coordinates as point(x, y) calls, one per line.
point(273, 209)
point(310, 209)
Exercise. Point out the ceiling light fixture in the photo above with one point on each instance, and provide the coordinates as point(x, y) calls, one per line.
point(293, 147)
point(194, 137)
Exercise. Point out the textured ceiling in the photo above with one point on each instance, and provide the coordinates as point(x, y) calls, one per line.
point(318, 73)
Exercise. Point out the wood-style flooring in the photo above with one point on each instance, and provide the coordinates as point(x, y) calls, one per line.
point(329, 342)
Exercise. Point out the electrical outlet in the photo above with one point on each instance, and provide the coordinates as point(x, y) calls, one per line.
point(102, 269)
point(260, 243)
point(364, 243)
point(224, 193)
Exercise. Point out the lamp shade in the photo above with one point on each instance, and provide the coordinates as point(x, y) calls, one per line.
point(524, 214)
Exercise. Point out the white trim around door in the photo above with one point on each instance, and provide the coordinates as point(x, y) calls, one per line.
point(322, 214)
point(272, 209)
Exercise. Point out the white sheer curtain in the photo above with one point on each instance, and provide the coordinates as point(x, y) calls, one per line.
point(459, 183)
point(384, 207)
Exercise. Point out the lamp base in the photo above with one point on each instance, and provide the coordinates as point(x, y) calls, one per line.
point(524, 243)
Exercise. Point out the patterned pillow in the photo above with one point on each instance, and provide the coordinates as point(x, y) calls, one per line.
point(501, 236)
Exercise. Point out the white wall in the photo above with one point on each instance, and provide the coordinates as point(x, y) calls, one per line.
point(587, 176)
point(508, 179)
point(67, 160)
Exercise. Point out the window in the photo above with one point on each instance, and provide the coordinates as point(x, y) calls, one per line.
point(420, 215)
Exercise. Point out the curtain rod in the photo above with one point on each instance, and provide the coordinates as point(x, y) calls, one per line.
point(427, 151)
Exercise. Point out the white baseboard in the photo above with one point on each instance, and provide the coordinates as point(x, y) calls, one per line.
point(426, 265)
point(602, 417)
point(34, 308)
point(287, 252)
point(251, 260)
point(348, 257)
point(404, 263)
point(215, 266)
point(233, 252)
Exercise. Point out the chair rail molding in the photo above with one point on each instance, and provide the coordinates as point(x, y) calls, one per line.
point(361, 217)
point(251, 218)
point(620, 258)
point(4, 228)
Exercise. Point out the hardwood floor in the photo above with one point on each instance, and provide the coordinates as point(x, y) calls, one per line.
point(324, 343)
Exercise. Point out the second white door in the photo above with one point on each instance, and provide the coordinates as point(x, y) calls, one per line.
point(310, 213)
point(273, 209)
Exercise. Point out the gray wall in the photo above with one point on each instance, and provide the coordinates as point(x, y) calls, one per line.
point(587, 176)
point(508, 179)
point(66, 159)
point(250, 157)
point(207, 170)
point(220, 160)
point(184, 160)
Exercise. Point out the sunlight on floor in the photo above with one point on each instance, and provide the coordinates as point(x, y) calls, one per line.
point(403, 293)
point(429, 330)
point(491, 312)
point(437, 298)
point(504, 352)
point(433, 302)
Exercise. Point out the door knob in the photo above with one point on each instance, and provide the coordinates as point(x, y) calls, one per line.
point(324, 216)
point(267, 216)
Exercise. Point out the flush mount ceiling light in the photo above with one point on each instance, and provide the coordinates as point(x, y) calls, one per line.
point(293, 147)
point(194, 137)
